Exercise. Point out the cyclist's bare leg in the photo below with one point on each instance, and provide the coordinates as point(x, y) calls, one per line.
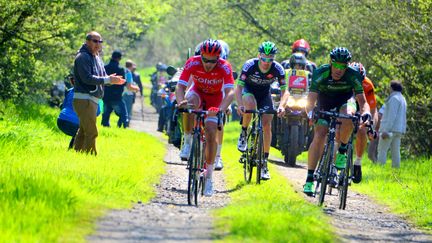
point(317, 146)
point(188, 119)
point(249, 103)
point(361, 142)
point(267, 119)
point(346, 127)
point(211, 144)
point(219, 139)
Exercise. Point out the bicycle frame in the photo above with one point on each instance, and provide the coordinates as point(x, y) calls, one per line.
point(254, 154)
point(326, 170)
point(196, 166)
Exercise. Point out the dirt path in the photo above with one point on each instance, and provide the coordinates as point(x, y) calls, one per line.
point(167, 217)
point(363, 220)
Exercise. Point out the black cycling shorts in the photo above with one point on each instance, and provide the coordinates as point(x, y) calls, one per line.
point(263, 100)
point(327, 103)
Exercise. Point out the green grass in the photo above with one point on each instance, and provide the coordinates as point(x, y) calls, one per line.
point(270, 212)
point(301, 158)
point(407, 191)
point(49, 194)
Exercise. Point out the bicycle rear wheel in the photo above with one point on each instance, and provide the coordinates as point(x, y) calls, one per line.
point(346, 175)
point(259, 157)
point(250, 157)
point(325, 172)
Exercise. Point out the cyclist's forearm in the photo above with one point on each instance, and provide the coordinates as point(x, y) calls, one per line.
point(226, 102)
point(311, 99)
point(180, 93)
point(238, 93)
point(284, 98)
point(364, 106)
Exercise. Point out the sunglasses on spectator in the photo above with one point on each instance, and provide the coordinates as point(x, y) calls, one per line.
point(339, 66)
point(205, 60)
point(97, 41)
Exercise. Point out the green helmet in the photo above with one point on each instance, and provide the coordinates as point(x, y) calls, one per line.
point(268, 48)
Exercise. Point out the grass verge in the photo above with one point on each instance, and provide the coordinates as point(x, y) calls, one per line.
point(270, 212)
point(49, 194)
point(407, 191)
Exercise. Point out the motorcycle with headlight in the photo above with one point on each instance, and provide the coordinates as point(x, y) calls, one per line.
point(294, 131)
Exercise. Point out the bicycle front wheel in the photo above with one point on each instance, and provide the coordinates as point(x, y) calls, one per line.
point(259, 157)
point(328, 159)
point(346, 175)
point(193, 177)
point(250, 157)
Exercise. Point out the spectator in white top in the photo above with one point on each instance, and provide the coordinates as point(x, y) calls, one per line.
point(393, 125)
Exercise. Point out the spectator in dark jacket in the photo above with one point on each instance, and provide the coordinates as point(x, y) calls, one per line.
point(137, 78)
point(113, 94)
point(90, 76)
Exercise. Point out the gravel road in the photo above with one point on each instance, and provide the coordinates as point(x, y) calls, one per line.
point(167, 217)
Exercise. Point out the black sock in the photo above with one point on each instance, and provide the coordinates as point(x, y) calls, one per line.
point(343, 148)
point(266, 155)
point(309, 177)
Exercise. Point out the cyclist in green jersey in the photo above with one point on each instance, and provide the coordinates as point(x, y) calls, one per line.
point(333, 87)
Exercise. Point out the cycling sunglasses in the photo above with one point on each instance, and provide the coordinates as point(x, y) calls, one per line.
point(205, 60)
point(339, 66)
point(266, 59)
point(97, 41)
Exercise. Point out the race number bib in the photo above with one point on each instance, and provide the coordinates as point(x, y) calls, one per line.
point(297, 82)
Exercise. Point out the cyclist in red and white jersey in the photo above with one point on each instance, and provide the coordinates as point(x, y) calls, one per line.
point(218, 165)
point(209, 75)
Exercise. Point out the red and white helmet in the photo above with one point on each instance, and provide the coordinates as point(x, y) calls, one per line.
point(359, 68)
point(300, 46)
point(211, 47)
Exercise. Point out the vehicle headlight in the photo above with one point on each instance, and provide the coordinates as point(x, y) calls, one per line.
point(302, 102)
point(291, 101)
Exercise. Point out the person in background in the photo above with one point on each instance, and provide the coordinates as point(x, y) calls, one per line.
point(90, 76)
point(362, 136)
point(130, 89)
point(303, 47)
point(112, 99)
point(393, 125)
point(137, 78)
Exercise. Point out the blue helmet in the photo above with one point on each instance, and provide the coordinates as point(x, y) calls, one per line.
point(225, 50)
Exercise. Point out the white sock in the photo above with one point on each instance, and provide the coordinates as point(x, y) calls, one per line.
point(188, 138)
point(218, 151)
point(209, 168)
point(358, 161)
